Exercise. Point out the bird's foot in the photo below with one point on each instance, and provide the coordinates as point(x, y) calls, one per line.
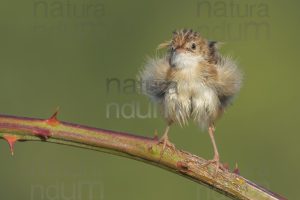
point(166, 143)
point(217, 163)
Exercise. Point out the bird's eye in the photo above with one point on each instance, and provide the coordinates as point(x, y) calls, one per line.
point(193, 46)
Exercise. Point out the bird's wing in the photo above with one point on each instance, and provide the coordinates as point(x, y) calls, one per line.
point(153, 78)
point(229, 80)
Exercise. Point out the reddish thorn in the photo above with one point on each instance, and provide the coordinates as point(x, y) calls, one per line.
point(53, 121)
point(44, 134)
point(226, 166)
point(236, 169)
point(183, 166)
point(155, 137)
point(11, 140)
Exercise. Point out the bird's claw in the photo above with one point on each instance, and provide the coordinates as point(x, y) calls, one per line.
point(218, 164)
point(166, 143)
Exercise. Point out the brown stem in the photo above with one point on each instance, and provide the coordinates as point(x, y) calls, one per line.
point(140, 148)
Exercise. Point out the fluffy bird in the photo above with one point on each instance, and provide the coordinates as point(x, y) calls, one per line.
point(192, 81)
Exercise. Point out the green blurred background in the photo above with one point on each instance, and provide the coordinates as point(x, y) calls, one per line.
point(61, 53)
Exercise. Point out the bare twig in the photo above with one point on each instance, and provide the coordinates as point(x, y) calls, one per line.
point(140, 148)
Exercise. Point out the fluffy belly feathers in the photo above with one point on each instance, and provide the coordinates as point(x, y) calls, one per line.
point(196, 101)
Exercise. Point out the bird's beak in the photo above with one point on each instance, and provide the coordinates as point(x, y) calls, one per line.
point(179, 50)
point(174, 54)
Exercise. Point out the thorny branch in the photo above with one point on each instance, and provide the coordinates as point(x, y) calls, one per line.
point(144, 149)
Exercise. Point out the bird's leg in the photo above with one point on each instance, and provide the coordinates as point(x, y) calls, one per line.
point(216, 159)
point(165, 141)
point(211, 131)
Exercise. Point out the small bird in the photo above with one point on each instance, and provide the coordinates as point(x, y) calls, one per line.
point(192, 81)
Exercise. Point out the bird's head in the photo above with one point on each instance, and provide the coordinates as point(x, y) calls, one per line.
point(188, 48)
